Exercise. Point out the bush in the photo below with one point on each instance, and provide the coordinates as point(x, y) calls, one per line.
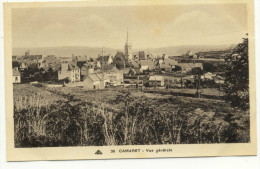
point(77, 123)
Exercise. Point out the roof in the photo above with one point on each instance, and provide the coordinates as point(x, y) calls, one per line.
point(93, 77)
point(168, 63)
point(73, 66)
point(16, 72)
point(147, 62)
point(156, 78)
point(88, 65)
point(126, 70)
point(82, 58)
point(134, 63)
point(137, 70)
point(120, 55)
point(100, 76)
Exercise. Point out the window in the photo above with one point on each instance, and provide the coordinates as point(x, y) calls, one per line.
point(16, 78)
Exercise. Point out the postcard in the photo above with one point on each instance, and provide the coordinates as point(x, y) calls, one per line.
point(129, 79)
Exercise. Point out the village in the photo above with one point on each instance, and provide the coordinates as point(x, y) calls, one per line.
point(94, 82)
point(124, 69)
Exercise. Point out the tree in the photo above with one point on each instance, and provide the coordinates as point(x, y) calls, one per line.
point(209, 67)
point(176, 68)
point(237, 77)
point(197, 71)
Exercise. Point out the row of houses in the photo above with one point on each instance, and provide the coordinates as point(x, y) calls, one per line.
point(88, 77)
point(159, 80)
point(114, 68)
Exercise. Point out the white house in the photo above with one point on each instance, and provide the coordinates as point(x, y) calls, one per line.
point(104, 78)
point(70, 71)
point(115, 75)
point(146, 64)
point(16, 75)
point(156, 80)
point(92, 81)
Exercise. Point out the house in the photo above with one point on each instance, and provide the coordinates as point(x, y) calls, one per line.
point(186, 67)
point(92, 81)
point(142, 55)
point(115, 75)
point(105, 60)
point(16, 75)
point(51, 62)
point(23, 66)
point(156, 80)
point(129, 72)
point(87, 68)
point(32, 59)
point(147, 64)
point(168, 64)
point(104, 77)
point(69, 71)
point(65, 59)
point(50, 59)
point(81, 60)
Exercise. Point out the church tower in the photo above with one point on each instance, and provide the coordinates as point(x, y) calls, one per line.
point(128, 48)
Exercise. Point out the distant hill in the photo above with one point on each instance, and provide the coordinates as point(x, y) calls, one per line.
point(179, 50)
point(67, 51)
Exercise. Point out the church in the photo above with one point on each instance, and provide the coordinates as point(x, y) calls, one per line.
point(121, 59)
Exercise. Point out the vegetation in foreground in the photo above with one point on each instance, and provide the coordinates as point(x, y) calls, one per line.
point(55, 117)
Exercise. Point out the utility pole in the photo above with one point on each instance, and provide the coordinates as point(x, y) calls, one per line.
point(198, 86)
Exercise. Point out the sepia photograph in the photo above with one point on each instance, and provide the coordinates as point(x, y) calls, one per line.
point(133, 75)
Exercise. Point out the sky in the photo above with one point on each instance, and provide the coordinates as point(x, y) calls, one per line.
point(149, 26)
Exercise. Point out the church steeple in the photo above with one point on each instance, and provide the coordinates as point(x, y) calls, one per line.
point(127, 35)
point(128, 50)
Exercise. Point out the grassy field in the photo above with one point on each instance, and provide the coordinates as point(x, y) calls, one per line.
point(118, 116)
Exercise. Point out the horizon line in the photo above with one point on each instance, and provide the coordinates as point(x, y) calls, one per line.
point(123, 49)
